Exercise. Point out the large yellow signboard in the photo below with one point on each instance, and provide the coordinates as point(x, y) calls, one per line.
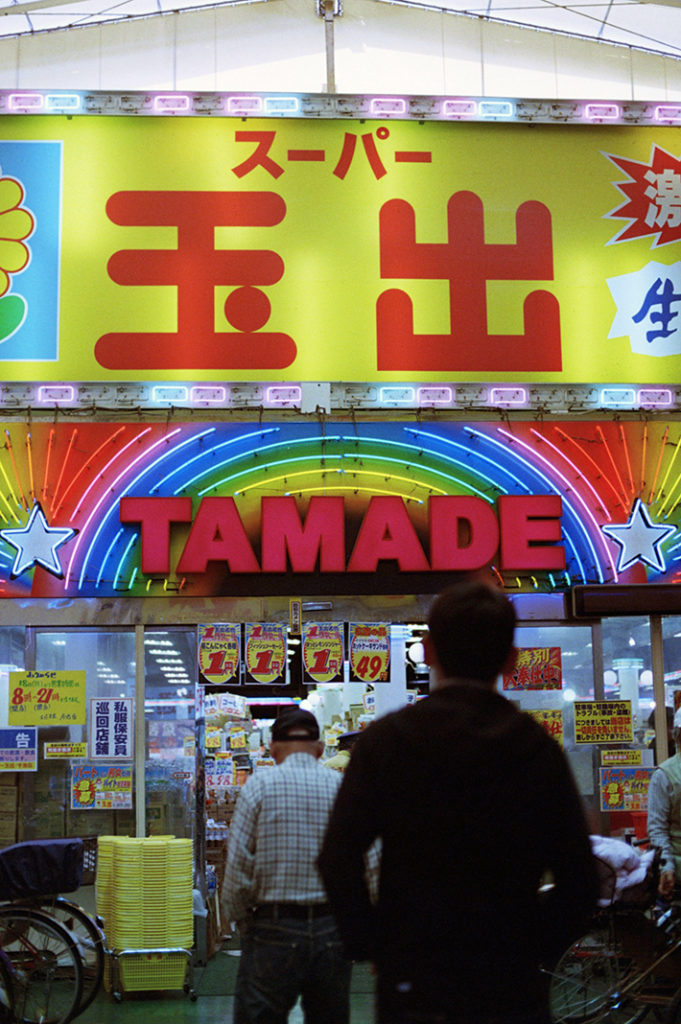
point(204, 249)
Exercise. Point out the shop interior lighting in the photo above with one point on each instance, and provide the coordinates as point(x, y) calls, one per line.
point(655, 397)
point(26, 101)
point(313, 397)
point(246, 395)
point(495, 108)
point(393, 106)
point(668, 112)
point(459, 108)
point(282, 105)
point(602, 112)
point(210, 103)
point(618, 398)
point(397, 395)
point(207, 394)
point(172, 103)
point(65, 101)
point(276, 105)
point(56, 393)
point(432, 395)
point(135, 102)
point(508, 396)
point(283, 394)
point(170, 393)
point(244, 105)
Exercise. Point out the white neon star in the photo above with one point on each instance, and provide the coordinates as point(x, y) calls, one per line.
point(639, 539)
point(37, 544)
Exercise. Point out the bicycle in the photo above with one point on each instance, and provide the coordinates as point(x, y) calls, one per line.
point(627, 966)
point(51, 948)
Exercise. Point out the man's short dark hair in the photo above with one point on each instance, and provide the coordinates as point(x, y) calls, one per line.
point(471, 627)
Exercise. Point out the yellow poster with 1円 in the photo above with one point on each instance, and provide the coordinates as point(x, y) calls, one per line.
point(47, 698)
point(322, 652)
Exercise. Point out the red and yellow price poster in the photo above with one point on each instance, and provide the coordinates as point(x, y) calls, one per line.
point(265, 652)
point(369, 651)
point(624, 789)
point(536, 668)
point(603, 721)
point(323, 649)
point(101, 787)
point(47, 698)
point(219, 651)
point(551, 719)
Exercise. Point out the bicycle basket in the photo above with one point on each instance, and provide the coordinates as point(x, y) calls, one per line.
point(40, 867)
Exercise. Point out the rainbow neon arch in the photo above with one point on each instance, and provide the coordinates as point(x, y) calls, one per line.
point(78, 474)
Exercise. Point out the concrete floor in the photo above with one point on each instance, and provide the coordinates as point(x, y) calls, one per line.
point(153, 1007)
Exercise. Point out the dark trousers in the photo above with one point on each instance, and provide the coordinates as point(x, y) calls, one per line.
point(289, 957)
point(409, 1001)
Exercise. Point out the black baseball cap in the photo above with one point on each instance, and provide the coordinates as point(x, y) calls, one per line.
point(295, 724)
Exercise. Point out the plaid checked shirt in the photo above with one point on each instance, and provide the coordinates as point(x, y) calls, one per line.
point(276, 835)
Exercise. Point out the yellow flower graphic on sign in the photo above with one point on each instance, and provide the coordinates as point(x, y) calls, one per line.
point(16, 224)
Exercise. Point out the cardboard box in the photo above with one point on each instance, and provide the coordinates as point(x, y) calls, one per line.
point(8, 799)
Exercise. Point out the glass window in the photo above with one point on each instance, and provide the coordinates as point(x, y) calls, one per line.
point(170, 674)
point(671, 644)
point(108, 659)
point(554, 707)
point(627, 669)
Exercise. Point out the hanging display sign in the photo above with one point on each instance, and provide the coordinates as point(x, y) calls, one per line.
point(369, 644)
point(460, 265)
point(19, 750)
point(265, 652)
point(603, 721)
point(219, 771)
point(551, 719)
point(227, 508)
point(624, 789)
point(100, 787)
point(47, 698)
point(219, 652)
point(64, 749)
point(536, 668)
point(323, 646)
point(111, 733)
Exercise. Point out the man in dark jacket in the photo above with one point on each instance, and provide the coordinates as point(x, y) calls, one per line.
point(474, 804)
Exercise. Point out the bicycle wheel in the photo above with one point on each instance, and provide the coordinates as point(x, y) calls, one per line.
point(46, 968)
point(89, 939)
point(6, 991)
point(585, 984)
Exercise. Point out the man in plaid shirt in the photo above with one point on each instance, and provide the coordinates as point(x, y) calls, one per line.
point(289, 943)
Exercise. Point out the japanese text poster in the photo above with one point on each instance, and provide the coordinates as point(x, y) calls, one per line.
point(552, 721)
point(323, 647)
point(624, 789)
point(111, 734)
point(603, 721)
point(265, 651)
point(536, 668)
point(98, 787)
point(369, 651)
point(219, 652)
point(47, 698)
point(19, 750)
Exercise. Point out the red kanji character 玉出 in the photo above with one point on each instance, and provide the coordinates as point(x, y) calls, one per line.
point(260, 156)
point(195, 268)
point(467, 262)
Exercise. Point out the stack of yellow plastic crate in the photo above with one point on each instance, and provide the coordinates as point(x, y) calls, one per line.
point(144, 894)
